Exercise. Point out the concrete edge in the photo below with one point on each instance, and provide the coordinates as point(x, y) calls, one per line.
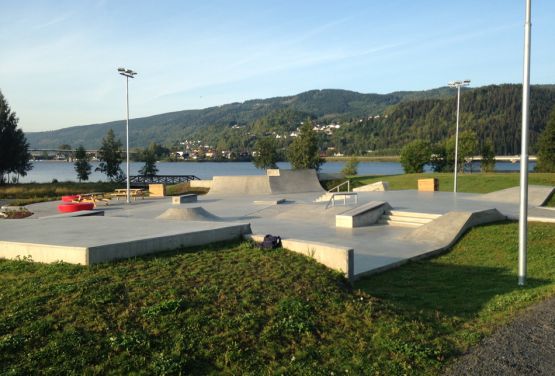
point(81, 213)
point(143, 247)
point(548, 197)
point(335, 257)
point(45, 253)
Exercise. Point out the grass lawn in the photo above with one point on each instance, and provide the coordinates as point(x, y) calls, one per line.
point(235, 309)
point(29, 193)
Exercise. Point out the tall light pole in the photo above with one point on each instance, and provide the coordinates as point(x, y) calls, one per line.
point(458, 85)
point(523, 218)
point(128, 73)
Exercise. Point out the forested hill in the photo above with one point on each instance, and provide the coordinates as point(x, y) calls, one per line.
point(368, 121)
point(493, 112)
point(170, 128)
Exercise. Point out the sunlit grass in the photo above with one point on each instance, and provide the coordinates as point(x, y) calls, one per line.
point(236, 309)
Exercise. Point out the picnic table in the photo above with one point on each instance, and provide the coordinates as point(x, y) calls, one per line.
point(93, 197)
point(133, 192)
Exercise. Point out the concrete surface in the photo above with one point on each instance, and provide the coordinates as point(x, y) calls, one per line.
point(375, 247)
point(90, 240)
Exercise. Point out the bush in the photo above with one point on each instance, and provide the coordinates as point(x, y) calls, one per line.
point(414, 156)
point(350, 167)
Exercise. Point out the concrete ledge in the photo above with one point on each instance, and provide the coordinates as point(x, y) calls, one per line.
point(81, 213)
point(363, 215)
point(333, 256)
point(43, 252)
point(183, 199)
point(269, 202)
point(379, 186)
point(142, 247)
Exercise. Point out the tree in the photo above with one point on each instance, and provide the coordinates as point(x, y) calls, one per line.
point(149, 157)
point(438, 158)
point(266, 152)
point(414, 156)
point(303, 151)
point(110, 157)
point(82, 165)
point(546, 146)
point(350, 167)
point(488, 157)
point(468, 145)
point(14, 148)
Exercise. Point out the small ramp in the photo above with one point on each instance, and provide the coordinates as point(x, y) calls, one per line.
point(197, 213)
point(537, 195)
point(295, 181)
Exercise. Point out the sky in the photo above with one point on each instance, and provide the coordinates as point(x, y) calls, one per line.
point(59, 59)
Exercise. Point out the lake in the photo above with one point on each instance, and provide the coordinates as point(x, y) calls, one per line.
point(45, 171)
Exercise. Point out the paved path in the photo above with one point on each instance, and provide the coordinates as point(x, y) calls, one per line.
point(524, 347)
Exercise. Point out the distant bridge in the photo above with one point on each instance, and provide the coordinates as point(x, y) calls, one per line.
point(506, 158)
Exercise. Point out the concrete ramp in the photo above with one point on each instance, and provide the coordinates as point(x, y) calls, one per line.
point(537, 195)
point(197, 213)
point(444, 231)
point(240, 185)
point(274, 182)
point(295, 181)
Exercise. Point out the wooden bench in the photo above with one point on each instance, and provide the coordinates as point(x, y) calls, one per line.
point(134, 193)
point(428, 185)
point(94, 197)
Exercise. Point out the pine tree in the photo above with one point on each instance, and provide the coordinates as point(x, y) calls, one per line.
point(82, 165)
point(149, 157)
point(14, 148)
point(110, 156)
point(303, 151)
point(546, 146)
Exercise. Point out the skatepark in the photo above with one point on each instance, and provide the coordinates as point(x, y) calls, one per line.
point(355, 233)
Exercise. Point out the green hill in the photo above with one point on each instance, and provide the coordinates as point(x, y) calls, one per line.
point(368, 121)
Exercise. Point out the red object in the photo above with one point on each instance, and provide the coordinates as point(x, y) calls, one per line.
point(75, 206)
point(69, 198)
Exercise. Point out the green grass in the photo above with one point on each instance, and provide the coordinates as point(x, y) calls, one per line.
point(235, 309)
point(28, 193)
point(472, 183)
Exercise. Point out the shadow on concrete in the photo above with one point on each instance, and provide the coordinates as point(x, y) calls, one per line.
point(427, 289)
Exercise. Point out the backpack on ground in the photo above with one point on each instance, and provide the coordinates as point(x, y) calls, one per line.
point(271, 242)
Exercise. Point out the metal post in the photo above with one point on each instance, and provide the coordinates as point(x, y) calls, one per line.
point(127, 137)
point(128, 73)
point(457, 139)
point(523, 218)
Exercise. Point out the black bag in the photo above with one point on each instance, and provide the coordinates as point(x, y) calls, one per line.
point(271, 242)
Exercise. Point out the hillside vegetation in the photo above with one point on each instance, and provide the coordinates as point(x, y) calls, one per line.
point(368, 121)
